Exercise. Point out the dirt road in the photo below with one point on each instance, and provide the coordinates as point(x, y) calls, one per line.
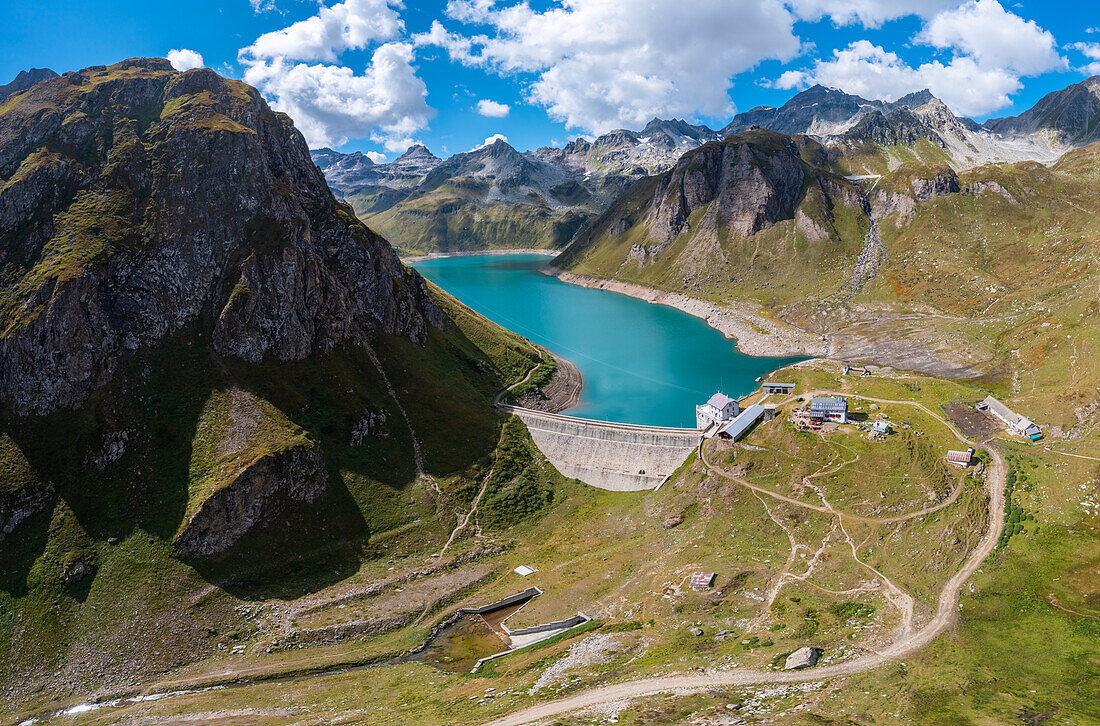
point(946, 613)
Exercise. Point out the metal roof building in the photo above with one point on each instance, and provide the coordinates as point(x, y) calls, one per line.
point(963, 458)
point(780, 388)
point(736, 428)
point(1017, 423)
point(702, 580)
point(829, 403)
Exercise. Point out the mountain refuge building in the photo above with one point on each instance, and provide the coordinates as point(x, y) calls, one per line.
point(719, 409)
point(829, 408)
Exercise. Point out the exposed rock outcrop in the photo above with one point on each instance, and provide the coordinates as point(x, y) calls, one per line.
point(20, 504)
point(802, 658)
point(751, 183)
point(910, 185)
point(137, 200)
point(259, 495)
point(24, 80)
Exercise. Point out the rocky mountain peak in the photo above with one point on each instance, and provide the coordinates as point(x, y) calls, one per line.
point(24, 80)
point(138, 201)
point(417, 151)
point(915, 99)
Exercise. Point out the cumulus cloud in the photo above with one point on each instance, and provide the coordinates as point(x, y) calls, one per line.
point(332, 103)
point(870, 71)
point(601, 64)
point(994, 37)
point(349, 25)
point(868, 13)
point(184, 59)
point(492, 109)
point(992, 49)
point(297, 68)
point(1090, 51)
point(377, 157)
point(490, 141)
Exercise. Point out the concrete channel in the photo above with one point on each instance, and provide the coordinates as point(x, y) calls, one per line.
point(615, 456)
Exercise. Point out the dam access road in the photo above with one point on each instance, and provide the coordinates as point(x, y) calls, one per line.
point(908, 644)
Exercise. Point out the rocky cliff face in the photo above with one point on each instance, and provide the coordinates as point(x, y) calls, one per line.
point(740, 208)
point(137, 200)
point(258, 496)
point(750, 180)
point(24, 80)
point(904, 189)
point(1070, 115)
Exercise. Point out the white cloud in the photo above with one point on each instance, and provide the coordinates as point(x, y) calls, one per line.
point(492, 109)
point(868, 13)
point(601, 64)
point(1090, 51)
point(331, 103)
point(490, 141)
point(871, 71)
point(262, 6)
point(377, 157)
point(994, 37)
point(184, 59)
point(349, 25)
point(992, 49)
point(297, 68)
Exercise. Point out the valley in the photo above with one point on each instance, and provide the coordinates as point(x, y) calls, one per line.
point(257, 468)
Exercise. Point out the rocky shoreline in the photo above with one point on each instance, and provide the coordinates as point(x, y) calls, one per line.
point(479, 253)
point(755, 334)
point(561, 393)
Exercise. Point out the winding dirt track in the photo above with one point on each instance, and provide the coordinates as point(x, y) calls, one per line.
point(946, 613)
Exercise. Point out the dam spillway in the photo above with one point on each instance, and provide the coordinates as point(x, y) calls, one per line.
point(615, 456)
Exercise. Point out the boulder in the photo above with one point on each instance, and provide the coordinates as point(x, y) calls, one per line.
point(802, 658)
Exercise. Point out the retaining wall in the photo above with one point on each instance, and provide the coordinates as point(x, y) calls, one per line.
point(619, 457)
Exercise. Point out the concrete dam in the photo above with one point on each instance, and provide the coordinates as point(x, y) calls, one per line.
point(615, 456)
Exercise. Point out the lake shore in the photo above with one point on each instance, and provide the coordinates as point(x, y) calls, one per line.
point(563, 391)
point(755, 334)
point(479, 253)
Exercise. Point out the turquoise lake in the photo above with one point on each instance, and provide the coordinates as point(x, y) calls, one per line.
point(641, 363)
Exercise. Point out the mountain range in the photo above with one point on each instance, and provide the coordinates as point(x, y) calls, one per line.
point(496, 196)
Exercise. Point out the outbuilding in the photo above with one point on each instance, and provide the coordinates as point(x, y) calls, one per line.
point(961, 458)
point(701, 581)
point(781, 389)
point(739, 426)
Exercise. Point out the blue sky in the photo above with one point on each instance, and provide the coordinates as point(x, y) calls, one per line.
point(376, 75)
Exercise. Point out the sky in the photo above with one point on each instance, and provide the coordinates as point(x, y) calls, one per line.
point(378, 75)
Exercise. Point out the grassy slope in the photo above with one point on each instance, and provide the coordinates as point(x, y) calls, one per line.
point(453, 218)
point(173, 402)
point(609, 553)
point(708, 261)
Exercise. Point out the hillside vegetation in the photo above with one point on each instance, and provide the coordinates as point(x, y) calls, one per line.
point(216, 384)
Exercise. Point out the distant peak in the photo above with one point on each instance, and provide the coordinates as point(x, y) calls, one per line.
point(417, 150)
point(917, 98)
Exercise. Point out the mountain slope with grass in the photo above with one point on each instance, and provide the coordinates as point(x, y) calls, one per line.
point(216, 384)
point(979, 273)
point(745, 213)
